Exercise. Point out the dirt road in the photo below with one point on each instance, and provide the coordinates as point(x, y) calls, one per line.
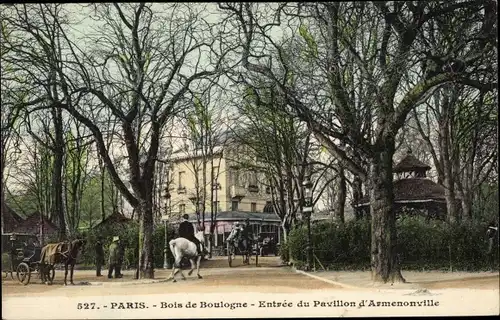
point(269, 277)
point(253, 286)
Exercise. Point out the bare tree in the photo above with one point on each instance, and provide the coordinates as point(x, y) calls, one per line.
point(384, 40)
point(138, 67)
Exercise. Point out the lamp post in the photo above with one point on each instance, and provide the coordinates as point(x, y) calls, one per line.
point(165, 218)
point(213, 217)
point(307, 210)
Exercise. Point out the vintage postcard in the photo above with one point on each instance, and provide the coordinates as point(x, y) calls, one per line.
point(212, 160)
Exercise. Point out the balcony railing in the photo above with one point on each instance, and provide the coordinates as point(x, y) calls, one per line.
point(237, 191)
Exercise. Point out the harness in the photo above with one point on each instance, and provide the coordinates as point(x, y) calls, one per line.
point(66, 253)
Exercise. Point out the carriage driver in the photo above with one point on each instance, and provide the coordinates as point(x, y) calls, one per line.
point(246, 234)
point(186, 231)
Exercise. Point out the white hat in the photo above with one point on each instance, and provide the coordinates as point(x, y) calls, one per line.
point(116, 238)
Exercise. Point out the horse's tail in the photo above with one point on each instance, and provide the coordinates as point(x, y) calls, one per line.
point(172, 244)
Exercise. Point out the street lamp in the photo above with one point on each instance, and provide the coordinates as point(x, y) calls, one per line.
point(165, 218)
point(215, 209)
point(307, 210)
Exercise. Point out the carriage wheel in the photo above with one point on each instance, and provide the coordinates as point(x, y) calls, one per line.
point(6, 274)
point(23, 273)
point(230, 254)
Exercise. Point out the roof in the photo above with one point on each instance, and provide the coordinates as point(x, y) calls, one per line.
point(240, 215)
point(115, 218)
point(414, 190)
point(32, 225)
point(410, 163)
point(10, 218)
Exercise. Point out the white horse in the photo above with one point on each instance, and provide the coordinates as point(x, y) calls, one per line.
point(181, 248)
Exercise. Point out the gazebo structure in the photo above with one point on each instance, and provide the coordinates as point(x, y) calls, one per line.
point(414, 193)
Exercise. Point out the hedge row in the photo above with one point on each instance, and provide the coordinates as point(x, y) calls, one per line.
point(421, 245)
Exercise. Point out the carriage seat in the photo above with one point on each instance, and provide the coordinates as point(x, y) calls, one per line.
point(32, 254)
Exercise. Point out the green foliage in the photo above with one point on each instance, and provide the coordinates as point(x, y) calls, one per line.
point(422, 244)
point(311, 43)
point(130, 236)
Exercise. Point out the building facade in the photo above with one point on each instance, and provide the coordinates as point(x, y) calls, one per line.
point(223, 185)
point(220, 182)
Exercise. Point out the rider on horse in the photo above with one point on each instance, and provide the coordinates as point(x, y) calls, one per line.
point(186, 231)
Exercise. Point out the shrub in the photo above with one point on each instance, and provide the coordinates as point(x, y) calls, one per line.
point(422, 244)
point(129, 235)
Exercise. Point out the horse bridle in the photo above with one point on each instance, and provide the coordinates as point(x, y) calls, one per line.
point(69, 250)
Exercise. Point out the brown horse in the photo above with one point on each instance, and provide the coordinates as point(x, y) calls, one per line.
point(62, 252)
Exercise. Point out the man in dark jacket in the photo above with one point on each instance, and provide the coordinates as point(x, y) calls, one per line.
point(121, 255)
point(186, 231)
point(247, 235)
point(99, 256)
point(492, 235)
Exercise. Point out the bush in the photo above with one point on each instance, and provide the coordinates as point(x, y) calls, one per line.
point(422, 244)
point(130, 236)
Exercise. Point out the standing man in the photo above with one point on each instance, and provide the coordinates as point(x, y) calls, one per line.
point(114, 252)
point(121, 255)
point(492, 234)
point(186, 231)
point(99, 256)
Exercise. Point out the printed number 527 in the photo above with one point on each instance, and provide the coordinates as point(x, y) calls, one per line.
point(85, 306)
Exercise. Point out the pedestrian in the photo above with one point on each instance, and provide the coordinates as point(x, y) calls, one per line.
point(492, 235)
point(114, 253)
point(121, 255)
point(99, 256)
point(186, 231)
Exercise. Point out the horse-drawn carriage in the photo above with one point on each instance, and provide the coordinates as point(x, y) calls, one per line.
point(21, 255)
point(235, 247)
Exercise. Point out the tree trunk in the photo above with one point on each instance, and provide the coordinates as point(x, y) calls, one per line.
point(448, 182)
point(357, 193)
point(285, 229)
point(57, 181)
point(146, 267)
point(384, 261)
point(2, 189)
point(341, 196)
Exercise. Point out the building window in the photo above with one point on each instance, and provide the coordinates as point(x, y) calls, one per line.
point(253, 207)
point(182, 208)
point(181, 178)
point(234, 205)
